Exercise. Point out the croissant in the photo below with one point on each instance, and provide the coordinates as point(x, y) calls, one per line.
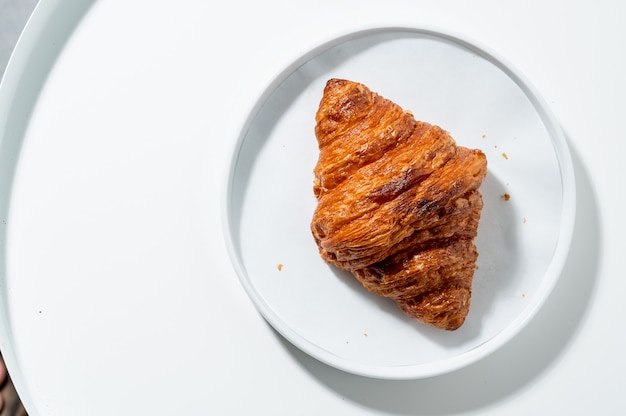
point(398, 203)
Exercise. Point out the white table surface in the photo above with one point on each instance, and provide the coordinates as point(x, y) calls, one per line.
point(568, 360)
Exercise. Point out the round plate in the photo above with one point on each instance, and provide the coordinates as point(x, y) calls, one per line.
point(526, 222)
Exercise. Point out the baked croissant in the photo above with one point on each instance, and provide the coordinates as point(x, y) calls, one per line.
point(397, 203)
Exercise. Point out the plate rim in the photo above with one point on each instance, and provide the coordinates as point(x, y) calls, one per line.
point(551, 275)
point(42, 32)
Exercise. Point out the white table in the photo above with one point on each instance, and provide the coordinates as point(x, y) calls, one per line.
point(106, 345)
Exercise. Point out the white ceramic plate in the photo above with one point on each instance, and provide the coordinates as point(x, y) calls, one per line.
point(522, 242)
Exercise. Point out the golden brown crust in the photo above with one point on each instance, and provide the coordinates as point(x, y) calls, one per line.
point(398, 203)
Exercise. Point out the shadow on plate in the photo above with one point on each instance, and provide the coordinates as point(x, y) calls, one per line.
point(487, 279)
point(514, 366)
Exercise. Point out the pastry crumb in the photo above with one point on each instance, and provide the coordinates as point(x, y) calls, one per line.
point(504, 155)
point(524, 220)
point(505, 197)
point(365, 334)
point(280, 266)
point(484, 135)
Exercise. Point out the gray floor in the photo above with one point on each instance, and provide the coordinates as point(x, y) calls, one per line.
point(13, 17)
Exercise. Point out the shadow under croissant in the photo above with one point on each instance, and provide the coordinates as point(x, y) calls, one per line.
point(509, 369)
point(486, 284)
